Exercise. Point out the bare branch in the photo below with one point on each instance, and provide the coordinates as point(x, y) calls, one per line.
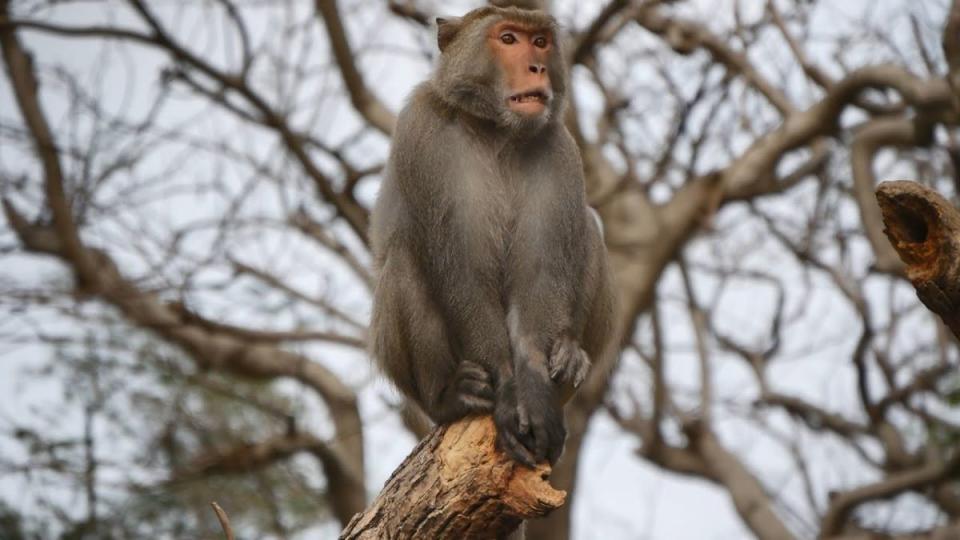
point(815, 417)
point(352, 212)
point(224, 521)
point(951, 44)
point(454, 484)
point(266, 336)
point(843, 504)
point(753, 503)
point(587, 41)
point(408, 10)
point(685, 36)
point(924, 228)
point(371, 108)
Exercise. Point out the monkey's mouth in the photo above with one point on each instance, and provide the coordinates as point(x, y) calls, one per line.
point(530, 102)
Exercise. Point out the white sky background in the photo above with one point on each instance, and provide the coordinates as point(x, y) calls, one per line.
point(619, 495)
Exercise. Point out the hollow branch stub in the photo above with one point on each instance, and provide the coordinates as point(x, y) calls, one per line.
point(924, 228)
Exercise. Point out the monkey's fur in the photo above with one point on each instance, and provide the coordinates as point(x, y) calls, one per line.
point(493, 288)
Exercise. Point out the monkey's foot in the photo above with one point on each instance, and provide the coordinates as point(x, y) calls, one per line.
point(529, 417)
point(470, 392)
point(568, 363)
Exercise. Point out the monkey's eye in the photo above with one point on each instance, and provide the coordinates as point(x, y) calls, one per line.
point(508, 38)
point(540, 42)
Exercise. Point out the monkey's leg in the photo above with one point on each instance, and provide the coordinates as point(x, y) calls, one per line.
point(421, 361)
point(470, 392)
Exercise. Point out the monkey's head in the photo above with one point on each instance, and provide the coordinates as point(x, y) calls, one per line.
point(502, 64)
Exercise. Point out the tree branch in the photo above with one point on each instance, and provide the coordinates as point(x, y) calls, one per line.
point(752, 502)
point(840, 507)
point(224, 521)
point(369, 107)
point(295, 142)
point(455, 484)
point(684, 36)
point(924, 228)
point(97, 274)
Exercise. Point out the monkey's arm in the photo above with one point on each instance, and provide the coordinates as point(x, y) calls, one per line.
point(540, 321)
point(560, 318)
point(553, 274)
point(548, 261)
point(460, 275)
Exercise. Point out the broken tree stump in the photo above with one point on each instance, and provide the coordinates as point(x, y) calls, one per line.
point(455, 484)
point(924, 228)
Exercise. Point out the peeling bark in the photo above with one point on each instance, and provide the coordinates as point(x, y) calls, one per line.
point(924, 228)
point(455, 484)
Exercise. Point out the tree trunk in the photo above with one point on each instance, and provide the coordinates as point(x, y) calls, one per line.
point(455, 484)
point(924, 228)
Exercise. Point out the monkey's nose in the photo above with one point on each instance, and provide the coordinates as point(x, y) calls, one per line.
point(538, 68)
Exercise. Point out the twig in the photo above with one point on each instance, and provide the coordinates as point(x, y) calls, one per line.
point(224, 520)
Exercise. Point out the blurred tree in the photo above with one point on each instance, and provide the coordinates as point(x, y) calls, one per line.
point(184, 276)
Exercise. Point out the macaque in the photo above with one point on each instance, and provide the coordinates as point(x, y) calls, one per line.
point(493, 293)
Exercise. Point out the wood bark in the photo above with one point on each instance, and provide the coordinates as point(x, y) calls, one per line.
point(924, 228)
point(455, 484)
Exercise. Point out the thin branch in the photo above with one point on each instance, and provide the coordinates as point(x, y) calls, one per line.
point(354, 214)
point(267, 336)
point(843, 504)
point(587, 42)
point(685, 36)
point(224, 520)
point(369, 106)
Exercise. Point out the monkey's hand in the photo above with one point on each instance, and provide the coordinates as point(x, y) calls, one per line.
point(469, 392)
point(568, 363)
point(529, 417)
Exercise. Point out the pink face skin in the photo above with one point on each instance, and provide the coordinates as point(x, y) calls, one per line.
point(523, 54)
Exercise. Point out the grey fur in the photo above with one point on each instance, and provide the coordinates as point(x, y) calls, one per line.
point(492, 275)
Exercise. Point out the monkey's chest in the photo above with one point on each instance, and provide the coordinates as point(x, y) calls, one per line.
point(487, 210)
point(500, 213)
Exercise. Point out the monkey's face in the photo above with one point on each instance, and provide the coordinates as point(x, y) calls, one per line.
point(523, 56)
point(502, 65)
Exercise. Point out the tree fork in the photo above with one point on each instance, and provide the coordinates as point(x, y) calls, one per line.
point(455, 484)
point(924, 228)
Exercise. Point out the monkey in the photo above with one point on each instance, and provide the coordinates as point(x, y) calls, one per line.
point(493, 293)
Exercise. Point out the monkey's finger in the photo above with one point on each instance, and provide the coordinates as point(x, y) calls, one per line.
point(512, 447)
point(555, 349)
point(583, 368)
point(554, 455)
point(479, 389)
point(556, 369)
point(476, 388)
point(560, 360)
point(474, 371)
point(477, 404)
point(541, 441)
point(523, 420)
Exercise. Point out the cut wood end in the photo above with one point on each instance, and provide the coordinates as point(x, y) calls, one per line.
point(456, 484)
point(530, 495)
point(470, 444)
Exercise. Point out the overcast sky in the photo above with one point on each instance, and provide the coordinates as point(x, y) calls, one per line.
point(620, 496)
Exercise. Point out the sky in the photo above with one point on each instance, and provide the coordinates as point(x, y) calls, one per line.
point(620, 496)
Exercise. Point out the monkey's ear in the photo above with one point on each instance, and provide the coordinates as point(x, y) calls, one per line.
point(447, 30)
